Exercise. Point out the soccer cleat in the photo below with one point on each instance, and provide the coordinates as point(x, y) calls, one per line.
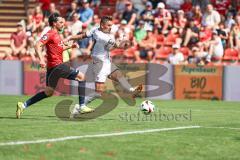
point(137, 90)
point(86, 110)
point(75, 111)
point(20, 107)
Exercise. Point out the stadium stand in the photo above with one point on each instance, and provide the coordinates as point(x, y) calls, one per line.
point(170, 25)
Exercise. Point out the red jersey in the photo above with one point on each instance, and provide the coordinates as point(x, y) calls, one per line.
point(221, 6)
point(186, 7)
point(45, 4)
point(54, 45)
point(205, 35)
point(38, 18)
point(18, 38)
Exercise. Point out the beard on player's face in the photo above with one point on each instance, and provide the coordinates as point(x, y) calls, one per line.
point(59, 25)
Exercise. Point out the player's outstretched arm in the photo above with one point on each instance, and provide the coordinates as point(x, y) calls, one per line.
point(38, 49)
point(77, 37)
point(74, 45)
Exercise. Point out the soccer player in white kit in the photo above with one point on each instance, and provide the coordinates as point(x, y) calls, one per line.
point(104, 41)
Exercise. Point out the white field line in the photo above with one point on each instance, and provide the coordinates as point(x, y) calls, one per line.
point(13, 143)
point(222, 128)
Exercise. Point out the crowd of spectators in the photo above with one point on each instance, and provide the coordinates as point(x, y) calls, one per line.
point(178, 32)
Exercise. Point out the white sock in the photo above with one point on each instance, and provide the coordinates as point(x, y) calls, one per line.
point(131, 89)
point(24, 106)
point(82, 106)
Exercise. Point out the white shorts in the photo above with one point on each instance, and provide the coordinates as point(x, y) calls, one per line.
point(102, 69)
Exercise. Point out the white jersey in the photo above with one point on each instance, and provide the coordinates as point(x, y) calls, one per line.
point(103, 42)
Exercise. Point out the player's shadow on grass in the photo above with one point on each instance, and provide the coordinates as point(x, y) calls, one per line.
point(62, 109)
point(21, 118)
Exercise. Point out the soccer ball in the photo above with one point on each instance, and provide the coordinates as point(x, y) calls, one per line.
point(147, 107)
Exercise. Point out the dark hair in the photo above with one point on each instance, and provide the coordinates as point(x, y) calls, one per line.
point(53, 18)
point(105, 19)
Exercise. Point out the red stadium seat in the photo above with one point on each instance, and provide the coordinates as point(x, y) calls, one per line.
point(129, 53)
point(163, 52)
point(230, 55)
point(170, 40)
point(104, 2)
point(26, 58)
point(112, 2)
point(67, 1)
point(116, 52)
point(107, 11)
point(160, 39)
point(185, 51)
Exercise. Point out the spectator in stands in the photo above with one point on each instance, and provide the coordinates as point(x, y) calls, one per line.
point(211, 17)
point(123, 31)
point(38, 17)
point(139, 5)
point(119, 9)
point(233, 9)
point(95, 22)
point(180, 21)
point(146, 47)
point(45, 4)
point(229, 21)
point(163, 17)
point(52, 9)
point(223, 34)
point(95, 3)
point(191, 34)
point(30, 48)
point(176, 57)
point(140, 32)
point(222, 6)
point(216, 48)
point(186, 6)
point(30, 29)
point(196, 15)
point(234, 37)
point(198, 55)
point(237, 20)
point(201, 3)
point(85, 45)
point(30, 25)
point(174, 4)
point(148, 15)
point(86, 13)
point(18, 42)
point(76, 25)
point(129, 14)
point(205, 35)
point(71, 11)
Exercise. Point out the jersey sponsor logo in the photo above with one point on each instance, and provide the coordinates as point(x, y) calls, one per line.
point(60, 44)
point(109, 44)
point(45, 37)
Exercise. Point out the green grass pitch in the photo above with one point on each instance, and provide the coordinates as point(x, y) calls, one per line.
point(218, 138)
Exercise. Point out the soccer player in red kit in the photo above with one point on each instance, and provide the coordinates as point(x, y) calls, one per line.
point(55, 67)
